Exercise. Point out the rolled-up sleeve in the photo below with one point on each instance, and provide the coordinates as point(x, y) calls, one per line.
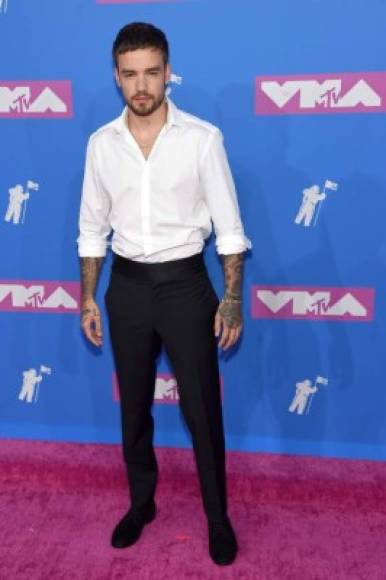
point(221, 198)
point(94, 225)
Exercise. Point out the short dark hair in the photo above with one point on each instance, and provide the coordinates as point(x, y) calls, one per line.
point(140, 35)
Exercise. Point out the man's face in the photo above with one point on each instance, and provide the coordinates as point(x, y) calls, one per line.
point(142, 75)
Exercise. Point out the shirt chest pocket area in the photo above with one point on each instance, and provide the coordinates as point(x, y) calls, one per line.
point(177, 175)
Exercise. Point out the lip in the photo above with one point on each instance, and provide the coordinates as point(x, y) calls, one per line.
point(141, 98)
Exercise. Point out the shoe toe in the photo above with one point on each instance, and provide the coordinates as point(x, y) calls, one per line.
point(222, 544)
point(130, 527)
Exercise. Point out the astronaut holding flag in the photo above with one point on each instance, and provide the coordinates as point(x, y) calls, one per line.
point(18, 201)
point(312, 200)
point(305, 390)
point(31, 380)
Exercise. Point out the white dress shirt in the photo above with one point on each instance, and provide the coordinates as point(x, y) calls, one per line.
point(160, 208)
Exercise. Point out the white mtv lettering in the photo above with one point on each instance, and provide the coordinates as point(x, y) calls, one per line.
point(23, 296)
point(327, 93)
point(19, 100)
point(304, 302)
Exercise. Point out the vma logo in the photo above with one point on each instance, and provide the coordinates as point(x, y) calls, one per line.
point(333, 93)
point(35, 99)
point(348, 304)
point(27, 296)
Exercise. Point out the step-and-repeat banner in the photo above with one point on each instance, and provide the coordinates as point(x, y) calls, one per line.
point(299, 91)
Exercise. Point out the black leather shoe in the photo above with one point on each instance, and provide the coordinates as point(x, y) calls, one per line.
point(129, 528)
point(222, 542)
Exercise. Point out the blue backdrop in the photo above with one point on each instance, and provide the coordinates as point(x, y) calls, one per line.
point(298, 90)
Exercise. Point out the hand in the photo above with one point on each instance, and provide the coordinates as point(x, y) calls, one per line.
point(91, 322)
point(228, 319)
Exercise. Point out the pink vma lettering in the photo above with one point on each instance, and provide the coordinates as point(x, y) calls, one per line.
point(318, 94)
point(38, 296)
point(36, 99)
point(349, 304)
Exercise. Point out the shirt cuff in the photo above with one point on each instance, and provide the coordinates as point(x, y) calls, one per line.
point(232, 244)
point(91, 250)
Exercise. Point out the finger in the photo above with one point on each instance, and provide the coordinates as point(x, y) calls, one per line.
point(87, 326)
point(98, 327)
point(96, 334)
point(224, 335)
point(217, 323)
point(234, 336)
point(231, 338)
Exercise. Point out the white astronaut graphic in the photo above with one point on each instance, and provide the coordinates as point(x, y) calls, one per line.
point(173, 79)
point(18, 202)
point(29, 391)
point(312, 200)
point(166, 389)
point(302, 399)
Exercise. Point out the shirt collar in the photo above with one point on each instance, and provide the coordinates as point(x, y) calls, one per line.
point(173, 117)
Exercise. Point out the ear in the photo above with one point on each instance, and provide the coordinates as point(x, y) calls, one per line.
point(167, 73)
point(116, 76)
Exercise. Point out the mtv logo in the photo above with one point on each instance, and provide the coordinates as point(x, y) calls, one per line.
point(346, 304)
point(35, 99)
point(165, 389)
point(32, 296)
point(316, 94)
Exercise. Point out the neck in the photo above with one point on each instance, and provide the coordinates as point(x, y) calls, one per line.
point(153, 121)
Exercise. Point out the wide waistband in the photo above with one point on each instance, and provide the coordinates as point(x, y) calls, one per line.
point(159, 271)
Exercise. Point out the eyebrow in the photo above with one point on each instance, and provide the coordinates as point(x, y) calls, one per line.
point(153, 68)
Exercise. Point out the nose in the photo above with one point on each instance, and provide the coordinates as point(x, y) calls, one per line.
point(141, 85)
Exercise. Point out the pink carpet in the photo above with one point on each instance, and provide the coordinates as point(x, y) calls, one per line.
point(295, 517)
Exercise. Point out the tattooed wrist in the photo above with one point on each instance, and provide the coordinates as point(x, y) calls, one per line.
point(229, 297)
point(89, 270)
point(233, 270)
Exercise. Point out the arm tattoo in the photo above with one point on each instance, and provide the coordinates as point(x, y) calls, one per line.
point(233, 270)
point(89, 269)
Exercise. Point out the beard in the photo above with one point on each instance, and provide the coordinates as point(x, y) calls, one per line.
point(146, 107)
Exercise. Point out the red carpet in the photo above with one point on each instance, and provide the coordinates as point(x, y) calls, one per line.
point(295, 517)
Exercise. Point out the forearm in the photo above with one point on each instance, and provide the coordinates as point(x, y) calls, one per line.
point(89, 270)
point(233, 275)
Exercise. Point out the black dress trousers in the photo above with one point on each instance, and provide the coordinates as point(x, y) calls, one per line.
point(171, 303)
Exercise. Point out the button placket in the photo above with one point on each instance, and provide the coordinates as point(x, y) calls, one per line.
point(145, 208)
point(145, 195)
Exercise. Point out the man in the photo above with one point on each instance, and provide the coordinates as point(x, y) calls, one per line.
point(158, 177)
